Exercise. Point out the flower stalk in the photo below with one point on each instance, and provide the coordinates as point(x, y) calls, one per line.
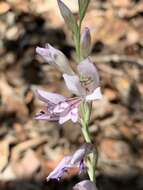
point(86, 109)
point(77, 42)
point(84, 83)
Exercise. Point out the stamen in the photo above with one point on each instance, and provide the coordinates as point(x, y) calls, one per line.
point(85, 80)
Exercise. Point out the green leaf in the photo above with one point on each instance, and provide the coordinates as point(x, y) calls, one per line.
point(83, 5)
point(68, 17)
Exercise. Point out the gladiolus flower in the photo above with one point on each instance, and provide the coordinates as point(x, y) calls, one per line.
point(58, 107)
point(74, 161)
point(86, 83)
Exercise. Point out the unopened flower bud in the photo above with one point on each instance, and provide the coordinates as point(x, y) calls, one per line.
point(86, 43)
point(56, 58)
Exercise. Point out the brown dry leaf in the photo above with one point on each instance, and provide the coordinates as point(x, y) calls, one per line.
point(113, 149)
point(32, 143)
point(109, 130)
point(101, 109)
point(4, 154)
point(123, 86)
point(20, 5)
point(51, 164)
point(4, 151)
point(121, 3)
point(20, 131)
point(116, 158)
point(140, 86)
point(11, 101)
point(50, 10)
point(112, 30)
point(52, 4)
point(111, 94)
point(27, 166)
point(8, 174)
point(29, 97)
point(132, 10)
point(107, 29)
point(133, 36)
point(4, 7)
point(126, 132)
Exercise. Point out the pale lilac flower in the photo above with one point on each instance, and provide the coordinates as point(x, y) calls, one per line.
point(74, 161)
point(86, 83)
point(61, 169)
point(58, 107)
point(55, 57)
point(85, 185)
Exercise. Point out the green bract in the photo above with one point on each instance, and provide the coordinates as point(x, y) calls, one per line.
point(68, 17)
point(83, 5)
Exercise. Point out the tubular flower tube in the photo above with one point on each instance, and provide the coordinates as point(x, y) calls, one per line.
point(74, 161)
point(85, 185)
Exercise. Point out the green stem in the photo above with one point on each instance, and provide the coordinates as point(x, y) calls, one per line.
point(86, 112)
point(86, 134)
point(92, 159)
point(77, 42)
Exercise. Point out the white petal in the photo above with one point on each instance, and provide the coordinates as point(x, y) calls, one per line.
point(49, 96)
point(60, 107)
point(74, 115)
point(73, 84)
point(71, 114)
point(95, 95)
point(65, 118)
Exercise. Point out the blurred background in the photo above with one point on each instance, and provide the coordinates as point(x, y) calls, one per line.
point(30, 149)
